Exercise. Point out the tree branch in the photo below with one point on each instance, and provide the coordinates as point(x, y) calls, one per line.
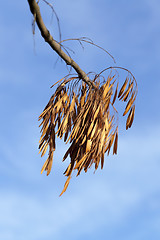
point(35, 10)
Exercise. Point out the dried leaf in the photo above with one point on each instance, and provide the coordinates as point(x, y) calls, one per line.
point(107, 102)
point(84, 139)
point(105, 89)
point(129, 104)
point(67, 152)
point(44, 149)
point(57, 82)
point(53, 116)
point(94, 130)
point(85, 114)
point(74, 132)
point(130, 118)
point(115, 143)
point(126, 93)
point(96, 113)
point(102, 160)
point(123, 88)
point(81, 161)
point(66, 134)
point(102, 138)
point(45, 129)
point(90, 128)
point(63, 126)
point(58, 119)
point(115, 95)
point(44, 112)
point(41, 145)
point(97, 162)
point(44, 165)
point(106, 123)
point(67, 170)
point(88, 145)
point(65, 185)
point(49, 166)
point(108, 148)
point(72, 104)
point(83, 97)
point(48, 163)
point(45, 122)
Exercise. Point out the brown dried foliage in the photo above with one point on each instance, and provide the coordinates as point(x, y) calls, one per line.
point(84, 117)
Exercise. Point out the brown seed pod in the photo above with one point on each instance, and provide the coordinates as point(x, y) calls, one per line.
point(83, 116)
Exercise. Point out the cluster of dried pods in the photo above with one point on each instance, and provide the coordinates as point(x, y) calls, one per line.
point(83, 116)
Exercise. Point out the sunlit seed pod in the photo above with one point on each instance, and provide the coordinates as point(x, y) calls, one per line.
point(44, 165)
point(130, 117)
point(102, 160)
point(115, 146)
point(88, 145)
point(115, 94)
point(65, 185)
point(127, 92)
point(49, 166)
point(129, 104)
point(67, 170)
point(123, 88)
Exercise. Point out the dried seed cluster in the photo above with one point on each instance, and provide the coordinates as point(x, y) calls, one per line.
point(84, 118)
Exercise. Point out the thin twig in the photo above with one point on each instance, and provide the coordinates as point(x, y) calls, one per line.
point(88, 40)
point(57, 18)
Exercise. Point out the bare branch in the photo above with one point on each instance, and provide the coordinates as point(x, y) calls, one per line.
point(35, 10)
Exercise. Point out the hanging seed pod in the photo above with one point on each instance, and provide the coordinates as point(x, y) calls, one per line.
point(115, 143)
point(130, 118)
point(65, 185)
point(123, 88)
point(84, 117)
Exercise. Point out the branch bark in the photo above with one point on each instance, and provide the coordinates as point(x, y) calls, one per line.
point(35, 10)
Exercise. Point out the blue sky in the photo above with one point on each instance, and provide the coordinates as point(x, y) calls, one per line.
point(123, 200)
